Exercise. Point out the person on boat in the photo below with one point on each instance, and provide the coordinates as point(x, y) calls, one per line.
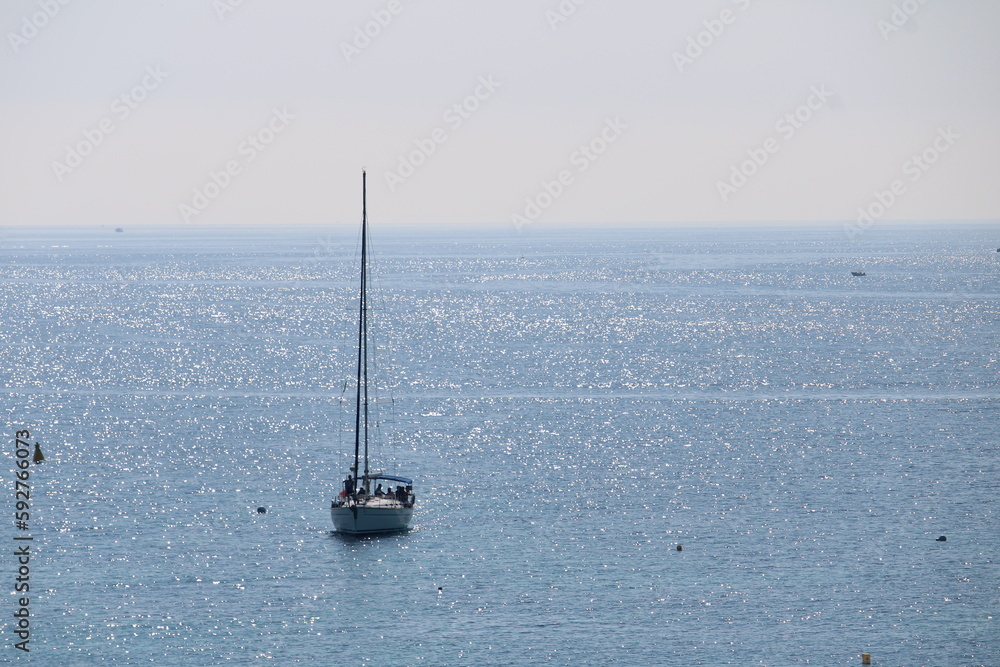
point(400, 493)
point(348, 487)
point(379, 492)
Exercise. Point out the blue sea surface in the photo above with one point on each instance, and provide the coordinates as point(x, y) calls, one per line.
point(635, 447)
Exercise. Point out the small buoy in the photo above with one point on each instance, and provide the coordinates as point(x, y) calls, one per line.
point(440, 590)
point(941, 539)
point(866, 658)
point(38, 457)
point(680, 548)
point(261, 510)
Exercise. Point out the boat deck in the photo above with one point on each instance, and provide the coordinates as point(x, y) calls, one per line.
point(373, 502)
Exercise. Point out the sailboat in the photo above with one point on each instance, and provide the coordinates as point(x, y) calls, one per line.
point(359, 509)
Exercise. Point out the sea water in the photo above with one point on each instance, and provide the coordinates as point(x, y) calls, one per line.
point(636, 447)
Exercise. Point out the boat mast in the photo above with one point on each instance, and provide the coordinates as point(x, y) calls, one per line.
point(361, 400)
point(364, 289)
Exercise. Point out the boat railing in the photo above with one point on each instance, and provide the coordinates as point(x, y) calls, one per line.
point(361, 499)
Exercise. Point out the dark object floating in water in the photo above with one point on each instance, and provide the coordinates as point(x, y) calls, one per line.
point(857, 273)
point(941, 539)
point(119, 229)
point(38, 457)
point(680, 548)
point(261, 510)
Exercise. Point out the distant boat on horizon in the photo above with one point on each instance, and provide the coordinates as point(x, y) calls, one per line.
point(857, 273)
point(119, 229)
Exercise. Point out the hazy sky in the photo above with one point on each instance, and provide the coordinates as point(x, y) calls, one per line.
point(516, 112)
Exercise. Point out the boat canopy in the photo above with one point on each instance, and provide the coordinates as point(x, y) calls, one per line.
point(392, 478)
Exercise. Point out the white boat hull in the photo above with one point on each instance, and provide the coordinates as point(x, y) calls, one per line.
point(375, 516)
